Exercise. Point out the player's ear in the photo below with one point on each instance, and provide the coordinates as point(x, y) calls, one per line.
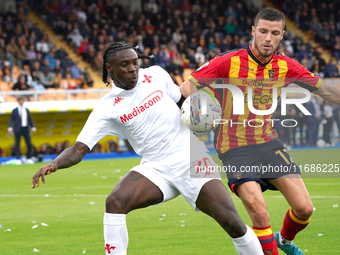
point(108, 67)
point(283, 32)
point(252, 31)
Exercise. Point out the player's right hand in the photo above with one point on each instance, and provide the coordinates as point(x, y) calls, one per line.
point(46, 170)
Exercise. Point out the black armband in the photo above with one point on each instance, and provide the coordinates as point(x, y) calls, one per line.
point(180, 102)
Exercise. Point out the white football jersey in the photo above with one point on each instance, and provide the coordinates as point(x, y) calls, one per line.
point(146, 115)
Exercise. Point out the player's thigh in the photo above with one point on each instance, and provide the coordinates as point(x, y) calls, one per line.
point(192, 176)
point(133, 191)
point(214, 200)
point(252, 198)
point(294, 190)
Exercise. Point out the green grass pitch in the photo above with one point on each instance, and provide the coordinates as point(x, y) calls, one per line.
point(72, 203)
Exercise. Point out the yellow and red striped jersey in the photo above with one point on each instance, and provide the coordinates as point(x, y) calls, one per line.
point(243, 69)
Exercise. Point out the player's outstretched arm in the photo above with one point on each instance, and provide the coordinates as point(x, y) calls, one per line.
point(67, 158)
point(188, 88)
point(329, 92)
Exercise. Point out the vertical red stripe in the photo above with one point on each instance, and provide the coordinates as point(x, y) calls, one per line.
point(232, 130)
point(264, 127)
point(276, 67)
point(222, 134)
point(250, 131)
point(243, 72)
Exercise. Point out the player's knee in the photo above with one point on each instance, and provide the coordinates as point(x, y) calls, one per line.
point(116, 204)
point(260, 217)
point(304, 211)
point(235, 227)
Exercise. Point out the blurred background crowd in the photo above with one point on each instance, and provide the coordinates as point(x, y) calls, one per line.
point(181, 34)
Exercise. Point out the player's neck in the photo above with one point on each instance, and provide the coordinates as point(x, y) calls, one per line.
point(258, 54)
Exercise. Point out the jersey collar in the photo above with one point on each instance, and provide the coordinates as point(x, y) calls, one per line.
point(256, 59)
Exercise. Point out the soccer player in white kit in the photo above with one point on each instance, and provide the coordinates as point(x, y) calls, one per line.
point(142, 108)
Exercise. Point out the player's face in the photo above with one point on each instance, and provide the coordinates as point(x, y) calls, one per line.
point(124, 69)
point(267, 36)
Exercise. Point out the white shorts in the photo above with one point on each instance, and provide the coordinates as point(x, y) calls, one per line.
point(177, 173)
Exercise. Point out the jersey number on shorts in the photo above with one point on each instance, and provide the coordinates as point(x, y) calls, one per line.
point(279, 152)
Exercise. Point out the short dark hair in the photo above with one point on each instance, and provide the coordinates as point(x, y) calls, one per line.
point(270, 14)
point(110, 53)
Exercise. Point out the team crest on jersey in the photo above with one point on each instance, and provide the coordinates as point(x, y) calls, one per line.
point(237, 175)
point(271, 74)
point(147, 78)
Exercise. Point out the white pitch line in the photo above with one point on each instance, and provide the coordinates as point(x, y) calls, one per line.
point(323, 197)
point(44, 195)
point(93, 195)
point(321, 184)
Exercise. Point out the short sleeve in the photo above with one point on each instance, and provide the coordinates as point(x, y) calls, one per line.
point(303, 77)
point(95, 128)
point(171, 88)
point(217, 68)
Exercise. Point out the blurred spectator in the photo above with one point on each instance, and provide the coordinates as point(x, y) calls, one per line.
point(175, 67)
point(90, 55)
point(42, 46)
point(31, 53)
point(313, 120)
point(303, 53)
point(84, 47)
point(336, 117)
point(164, 57)
point(46, 149)
point(97, 148)
point(81, 83)
point(316, 69)
point(7, 73)
point(48, 79)
point(66, 63)
point(75, 70)
point(52, 63)
point(332, 69)
point(58, 148)
point(230, 12)
point(66, 144)
point(98, 61)
point(20, 85)
point(61, 53)
point(88, 78)
point(191, 58)
point(23, 56)
point(70, 82)
point(76, 38)
point(112, 146)
point(45, 67)
point(199, 56)
point(26, 74)
point(327, 122)
point(59, 26)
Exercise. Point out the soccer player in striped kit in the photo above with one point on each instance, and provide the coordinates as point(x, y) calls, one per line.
point(248, 140)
